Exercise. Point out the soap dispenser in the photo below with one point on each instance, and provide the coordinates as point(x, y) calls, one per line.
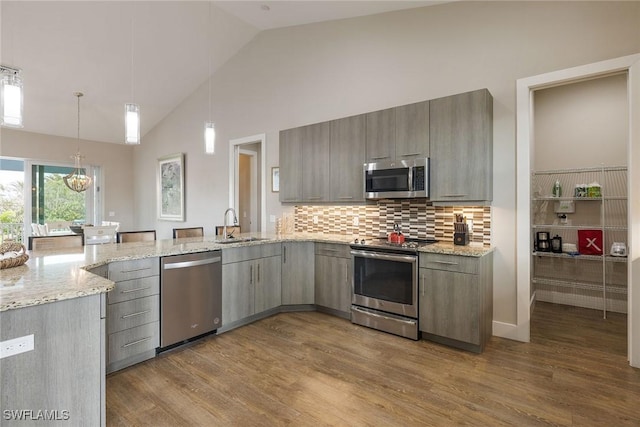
point(557, 189)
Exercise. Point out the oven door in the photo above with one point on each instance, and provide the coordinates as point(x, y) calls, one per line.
point(386, 282)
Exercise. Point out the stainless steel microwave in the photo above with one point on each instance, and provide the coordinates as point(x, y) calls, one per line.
point(396, 179)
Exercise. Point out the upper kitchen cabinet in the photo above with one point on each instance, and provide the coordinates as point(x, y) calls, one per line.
point(412, 131)
point(398, 133)
point(346, 158)
point(461, 140)
point(315, 162)
point(381, 135)
point(290, 159)
point(304, 163)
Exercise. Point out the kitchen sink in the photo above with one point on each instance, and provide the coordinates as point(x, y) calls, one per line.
point(239, 240)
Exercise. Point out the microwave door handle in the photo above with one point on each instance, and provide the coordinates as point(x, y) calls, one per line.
point(410, 177)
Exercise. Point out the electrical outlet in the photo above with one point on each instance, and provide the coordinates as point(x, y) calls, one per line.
point(356, 221)
point(315, 219)
point(112, 214)
point(16, 346)
point(272, 218)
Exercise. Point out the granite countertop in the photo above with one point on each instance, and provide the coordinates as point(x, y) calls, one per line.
point(50, 276)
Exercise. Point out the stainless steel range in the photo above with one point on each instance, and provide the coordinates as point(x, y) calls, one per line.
point(385, 285)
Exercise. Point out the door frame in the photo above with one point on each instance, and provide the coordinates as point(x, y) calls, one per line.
point(234, 152)
point(253, 165)
point(524, 157)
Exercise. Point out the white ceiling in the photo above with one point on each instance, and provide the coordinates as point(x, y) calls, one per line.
point(152, 53)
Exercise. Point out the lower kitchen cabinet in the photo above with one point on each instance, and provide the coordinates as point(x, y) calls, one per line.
point(251, 281)
point(333, 277)
point(133, 312)
point(456, 299)
point(297, 273)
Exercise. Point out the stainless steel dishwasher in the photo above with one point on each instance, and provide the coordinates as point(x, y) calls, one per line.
point(190, 296)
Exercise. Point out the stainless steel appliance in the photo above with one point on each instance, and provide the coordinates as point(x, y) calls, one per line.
point(396, 179)
point(385, 285)
point(190, 296)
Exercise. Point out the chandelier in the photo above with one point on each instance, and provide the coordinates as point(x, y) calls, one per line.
point(77, 180)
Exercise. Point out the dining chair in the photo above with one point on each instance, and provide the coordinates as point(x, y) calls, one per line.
point(188, 232)
point(55, 242)
point(98, 234)
point(136, 236)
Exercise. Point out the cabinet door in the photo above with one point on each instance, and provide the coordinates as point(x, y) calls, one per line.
point(290, 166)
point(267, 279)
point(237, 291)
point(461, 141)
point(315, 162)
point(450, 304)
point(412, 131)
point(297, 273)
point(347, 159)
point(381, 135)
point(333, 282)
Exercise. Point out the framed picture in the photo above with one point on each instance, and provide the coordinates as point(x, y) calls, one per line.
point(275, 180)
point(170, 183)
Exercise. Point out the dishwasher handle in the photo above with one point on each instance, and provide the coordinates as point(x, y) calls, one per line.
point(186, 264)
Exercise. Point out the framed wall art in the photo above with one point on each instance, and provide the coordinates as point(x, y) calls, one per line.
point(170, 183)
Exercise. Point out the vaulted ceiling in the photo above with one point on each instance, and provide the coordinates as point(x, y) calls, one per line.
point(152, 53)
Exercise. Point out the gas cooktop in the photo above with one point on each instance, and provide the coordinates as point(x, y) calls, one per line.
point(373, 243)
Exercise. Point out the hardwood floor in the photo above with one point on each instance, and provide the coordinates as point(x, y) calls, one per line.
point(314, 369)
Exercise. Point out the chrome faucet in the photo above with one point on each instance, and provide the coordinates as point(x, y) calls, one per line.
point(235, 221)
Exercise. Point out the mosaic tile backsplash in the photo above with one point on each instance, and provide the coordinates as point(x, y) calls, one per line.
point(418, 219)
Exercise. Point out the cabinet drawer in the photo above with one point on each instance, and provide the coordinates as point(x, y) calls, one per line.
point(129, 314)
point(136, 288)
point(333, 249)
point(127, 270)
point(462, 264)
point(247, 253)
point(133, 341)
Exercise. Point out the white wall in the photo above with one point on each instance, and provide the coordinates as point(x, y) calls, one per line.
point(582, 125)
point(299, 75)
point(116, 162)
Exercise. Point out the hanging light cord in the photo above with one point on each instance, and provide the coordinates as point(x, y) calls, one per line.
point(132, 45)
point(78, 95)
point(209, 51)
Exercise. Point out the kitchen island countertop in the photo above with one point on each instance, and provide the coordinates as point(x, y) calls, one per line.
point(50, 276)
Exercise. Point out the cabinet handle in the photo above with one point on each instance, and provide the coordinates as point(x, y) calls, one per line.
point(314, 198)
point(291, 199)
point(410, 154)
point(380, 158)
point(126, 316)
point(445, 262)
point(137, 269)
point(454, 195)
point(127, 291)
point(284, 250)
point(251, 274)
point(258, 281)
point(422, 285)
point(345, 197)
point(136, 342)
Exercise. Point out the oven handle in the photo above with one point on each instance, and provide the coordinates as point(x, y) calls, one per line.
point(388, 257)
point(370, 313)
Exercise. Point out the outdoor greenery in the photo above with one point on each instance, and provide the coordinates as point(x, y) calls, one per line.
point(12, 202)
point(60, 203)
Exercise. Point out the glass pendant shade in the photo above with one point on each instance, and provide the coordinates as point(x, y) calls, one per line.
point(209, 138)
point(132, 123)
point(77, 180)
point(11, 95)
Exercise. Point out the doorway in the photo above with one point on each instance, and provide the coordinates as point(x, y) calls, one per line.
point(247, 182)
point(525, 157)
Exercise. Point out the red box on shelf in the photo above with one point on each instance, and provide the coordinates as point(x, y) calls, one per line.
point(590, 242)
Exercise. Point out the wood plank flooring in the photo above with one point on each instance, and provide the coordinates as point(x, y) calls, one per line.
point(310, 369)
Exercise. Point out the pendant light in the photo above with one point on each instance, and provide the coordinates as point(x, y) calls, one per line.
point(11, 96)
point(209, 128)
point(77, 180)
point(131, 110)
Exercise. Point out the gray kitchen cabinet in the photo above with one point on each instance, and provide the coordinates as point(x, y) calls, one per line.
point(315, 162)
point(347, 150)
point(461, 146)
point(381, 135)
point(333, 278)
point(412, 131)
point(251, 281)
point(456, 299)
point(290, 165)
point(133, 312)
point(297, 273)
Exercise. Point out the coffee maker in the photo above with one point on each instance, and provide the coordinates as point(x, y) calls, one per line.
point(543, 243)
